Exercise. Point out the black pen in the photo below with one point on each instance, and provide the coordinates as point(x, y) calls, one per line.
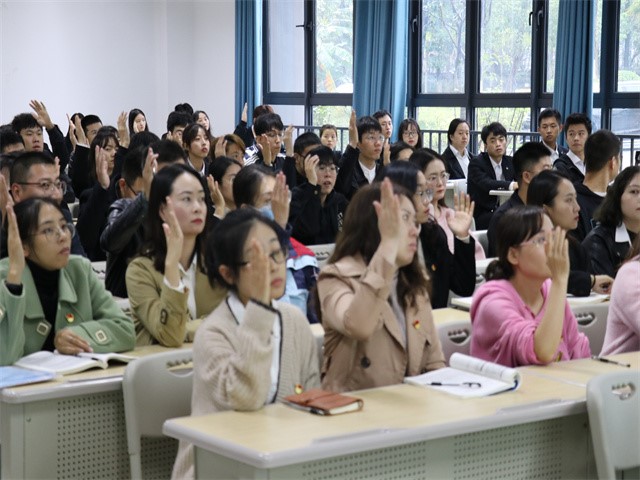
point(606, 360)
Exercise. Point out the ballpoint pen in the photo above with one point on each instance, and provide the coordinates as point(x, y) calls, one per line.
point(463, 384)
point(606, 360)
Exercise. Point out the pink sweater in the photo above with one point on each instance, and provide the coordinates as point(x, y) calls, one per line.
point(503, 327)
point(623, 321)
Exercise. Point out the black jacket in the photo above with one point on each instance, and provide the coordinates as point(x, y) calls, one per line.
point(452, 164)
point(492, 231)
point(92, 218)
point(313, 223)
point(579, 276)
point(482, 179)
point(589, 203)
point(122, 238)
point(605, 254)
point(350, 176)
point(565, 166)
point(455, 272)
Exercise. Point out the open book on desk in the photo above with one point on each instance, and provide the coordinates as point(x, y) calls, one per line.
point(469, 377)
point(60, 364)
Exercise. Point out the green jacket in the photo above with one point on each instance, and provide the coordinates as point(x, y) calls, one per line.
point(84, 306)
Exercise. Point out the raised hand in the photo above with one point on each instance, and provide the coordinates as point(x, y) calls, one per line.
point(557, 250)
point(389, 219)
point(216, 196)
point(258, 271)
point(243, 116)
point(310, 164)
point(5, 197)
point(220, 148)
point(70, 343)
point(72, 133)
point(353, 130)
point(288, 141)
point(80, 136)
point(280, 200)
point(262, 141)
point(148, 171)
point(174, 238)
point(102, 167)
point(386, 152)
point(41, 115)
point(460, 222)
point(123, 130)
point(14, 248)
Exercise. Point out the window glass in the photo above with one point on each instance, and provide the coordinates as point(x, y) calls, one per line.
point(513, 119)
point(552, 39)
point(597, 47)
point(629, 47)
point(337, 115)
point(505, 46)
point(443, 53)
point(286, 46)
point(437, 118)
point(334, 46)
point(290, 114)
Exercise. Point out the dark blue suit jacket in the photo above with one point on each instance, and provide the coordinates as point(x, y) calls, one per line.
point(482, 179)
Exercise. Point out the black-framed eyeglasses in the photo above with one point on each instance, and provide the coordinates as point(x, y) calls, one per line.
point(53, 234)
point(277, 256)
point(47, 186)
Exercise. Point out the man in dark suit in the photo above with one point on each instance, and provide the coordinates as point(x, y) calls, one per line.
point(549, 127)
point(490, 170)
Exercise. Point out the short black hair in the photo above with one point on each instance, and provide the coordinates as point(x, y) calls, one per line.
point(267, 122)
point(142, 139)
point(578, 119)
point(397, 147)
point(177, 119)
point(328, 126)
point(599, 148)
point(89, 120)
point(185, 108)
point(527, 156)
point(495, 128)
point(219, 167)
point(325, 155)
point(548, 113)
point(304, 141)
point(367, 124)
point(23, 121)
point(8, 136)
point(133, 163)
point(381, 113)
point(168, 151)
point(23, 163)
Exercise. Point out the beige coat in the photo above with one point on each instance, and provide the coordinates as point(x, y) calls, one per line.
point(160, 313)
point(363, 342)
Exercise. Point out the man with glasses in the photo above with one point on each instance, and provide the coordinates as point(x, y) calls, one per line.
point(360, 160)
point(317, 210)
point(528, 161)
point(35, 174)
point(491, 170)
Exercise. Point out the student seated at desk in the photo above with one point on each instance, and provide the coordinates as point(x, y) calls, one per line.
point(517, 317)
point(50, 299)
point(373, 296)
point(250, 351)
point(168, 289)
point(623, 321)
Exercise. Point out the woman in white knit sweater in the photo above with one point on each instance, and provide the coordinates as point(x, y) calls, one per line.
point(250, 351)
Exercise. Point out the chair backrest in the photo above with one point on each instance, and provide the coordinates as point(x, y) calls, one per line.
point(592, 321)
point(322, 252)
point(481, 236)
point(154, 391)
point(455, 337)
point(613, 403)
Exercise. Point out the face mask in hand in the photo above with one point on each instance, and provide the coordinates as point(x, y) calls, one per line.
point(267, 211)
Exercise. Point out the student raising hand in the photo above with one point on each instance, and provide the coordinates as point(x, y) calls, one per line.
point(460, 222)
point(174, 237)
point(310, 164)
point(257, 271)
point(14, 247)
point(389, 218)
point(280, 200)
point(557, 250)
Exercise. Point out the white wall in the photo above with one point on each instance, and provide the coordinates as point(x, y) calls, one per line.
point(105, 56)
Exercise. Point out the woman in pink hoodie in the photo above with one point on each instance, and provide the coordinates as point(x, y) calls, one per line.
point(521, 315)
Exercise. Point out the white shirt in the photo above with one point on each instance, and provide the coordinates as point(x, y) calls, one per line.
point(576, 161)
point(369, 173)
point(554, 153)
point(238, 310)
point(497, 167)
point(463, 159)
point(188, 279)
point(201, 172)
point(622, 234)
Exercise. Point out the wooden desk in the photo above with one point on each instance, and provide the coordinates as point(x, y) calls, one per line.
point(405, 432)
point(74, 427)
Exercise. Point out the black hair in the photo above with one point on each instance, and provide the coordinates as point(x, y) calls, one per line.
point(578, 119)
point(517, 225)
point(6, 162)
point(403, 173)
point(23, 121)
point(142, 139)
point(398, 147)
point(89, 120)
point(168, 151)
point(195, 116)
point(27, 216)
point(226, 243)
point(100, 140)
point(328, 126)
point(382, 113)
point(191, 132)
point(495, 128)
point(8, 136)
point(366, 125)
point(133, 164)
point(548, 113)
point(543, 189)
point(261, 110)
point(453, 126)
point(132, 117)
point(246, 185)
point(177, 119)
point(325, 155)
point(405, 124)
point(219, 167)
point(155, 246)
point(422, 157)
point(527, 156)
point(599, 149)
point(23, 163)
point(185, 108)
point(267, 122)
point(609, 213)
point(304, 141)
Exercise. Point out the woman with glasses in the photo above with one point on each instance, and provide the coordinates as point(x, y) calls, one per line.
point(373, 296)
point(409, 133)
point(168, 289)
point(436, 176)
point(251, 350)
point(448, 271)
point(521, 315)
point(50, 299)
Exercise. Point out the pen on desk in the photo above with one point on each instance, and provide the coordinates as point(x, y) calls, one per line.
point(463, 384)
point(606, 360)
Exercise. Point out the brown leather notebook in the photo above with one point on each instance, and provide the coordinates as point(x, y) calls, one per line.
point(321, 402)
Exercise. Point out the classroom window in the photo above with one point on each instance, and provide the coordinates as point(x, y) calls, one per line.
point(286, 46)
point(334, 46)
point(438, 118)
point(629, 47)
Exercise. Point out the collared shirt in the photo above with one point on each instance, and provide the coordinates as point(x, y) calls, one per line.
point(188, 279)
point(201, 171)
point(369, 173)
point(554, 152)
point(238, 310)
point(463, 159)
point(622, 234)
point(576, 161)
point(497, 167)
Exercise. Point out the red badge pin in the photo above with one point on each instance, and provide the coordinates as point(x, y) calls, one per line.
point(298, 388)
point(70, 318)
point(416, 324)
